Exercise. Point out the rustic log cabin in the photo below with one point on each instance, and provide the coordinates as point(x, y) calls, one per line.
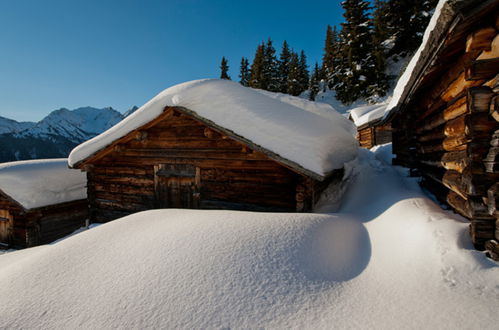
point(40, 201)
point(372, 130)
point(444, 114)
point(214, 144)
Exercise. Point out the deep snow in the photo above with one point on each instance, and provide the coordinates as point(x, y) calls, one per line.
point(309, 134)
point(390, 258)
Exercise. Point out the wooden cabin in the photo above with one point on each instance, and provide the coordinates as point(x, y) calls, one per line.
point(445, 118)
point(40, 201)
point(180, 158)
point(372, 130)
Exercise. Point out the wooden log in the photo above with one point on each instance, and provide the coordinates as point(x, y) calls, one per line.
point(493, 200)
point(453, 181)
point(459, 87)
point(492, 248)
point(455, 160)
point(493, 155)
point(481, 39)
point(493, 52)
point(482, 69)
point(479, 99)
point(481, 231)
point(457, 108)
point(471, 208)
point(494, 107)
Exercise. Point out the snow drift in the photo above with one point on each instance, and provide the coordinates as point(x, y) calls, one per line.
point(309, 134)
point(390, 259)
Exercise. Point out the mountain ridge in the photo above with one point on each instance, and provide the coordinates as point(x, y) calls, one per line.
point(55, 135)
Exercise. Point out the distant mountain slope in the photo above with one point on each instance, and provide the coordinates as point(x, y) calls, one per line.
point(55, 135)
point(9, 126)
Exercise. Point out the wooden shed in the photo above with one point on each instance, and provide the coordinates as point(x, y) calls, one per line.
point(372, 130)
point(445, 113)
point(40, 201)
point(215, 144)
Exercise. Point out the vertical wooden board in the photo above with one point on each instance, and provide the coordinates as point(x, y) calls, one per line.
point(6, 226)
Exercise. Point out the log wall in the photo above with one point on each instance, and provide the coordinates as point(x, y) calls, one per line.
point(42, 225)
point(123, 179)
point(371, 136)
point(449, 132)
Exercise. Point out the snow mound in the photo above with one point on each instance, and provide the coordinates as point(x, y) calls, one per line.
point(388, 260)
point(311, 135)
point(37, 183)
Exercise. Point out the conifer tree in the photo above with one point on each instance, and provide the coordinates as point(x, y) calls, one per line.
point(269, 68)
point(357, 70)
point(303, 72)
point(379, 86)
point(330, 59)
point(405, 22)
point(257, 68)
point(314, 82)
point(283, 68)
point(224, 69)
point(294, 87)
point(244, 74)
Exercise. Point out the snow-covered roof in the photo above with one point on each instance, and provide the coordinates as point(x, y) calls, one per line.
point(43, 182)
point(308, 135)
point(367, 114)
point(441, 21)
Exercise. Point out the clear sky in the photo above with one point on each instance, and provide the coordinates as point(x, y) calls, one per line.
point(120, 53)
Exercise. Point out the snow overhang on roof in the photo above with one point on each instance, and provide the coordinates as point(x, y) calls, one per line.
point(447, 16)
point(43, 182)
point(307, 136)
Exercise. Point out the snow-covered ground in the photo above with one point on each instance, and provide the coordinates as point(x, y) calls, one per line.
point(389, 259)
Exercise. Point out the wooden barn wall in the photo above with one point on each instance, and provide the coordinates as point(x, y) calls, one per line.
point(449, 132)
point(230, 175)
point(374, 135)
point(42, 225)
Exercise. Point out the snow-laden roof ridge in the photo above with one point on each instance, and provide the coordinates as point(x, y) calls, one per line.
point(41, 182)
point(312, 135)
point(445, 12)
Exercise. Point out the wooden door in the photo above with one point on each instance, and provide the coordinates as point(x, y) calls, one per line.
point(177, 186)
point(6, 226)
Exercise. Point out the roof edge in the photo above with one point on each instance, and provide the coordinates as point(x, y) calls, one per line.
point(272, 155)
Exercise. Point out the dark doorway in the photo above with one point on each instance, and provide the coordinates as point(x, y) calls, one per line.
point(177, 186)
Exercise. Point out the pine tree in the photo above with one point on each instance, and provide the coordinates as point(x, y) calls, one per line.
point(224, 69)
point(314, 82)
point(283, 68)
point(330, 58)
point(379, 85)
point(303, 72)
point(294, 87)
point(244, 74)
point(257, 68)
point(405, 21)
point(357, 70)
point(269, 69)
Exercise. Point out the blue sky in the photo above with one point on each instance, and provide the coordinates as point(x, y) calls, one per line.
point(120, 53)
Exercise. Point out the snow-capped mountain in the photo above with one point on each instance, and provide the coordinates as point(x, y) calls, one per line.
point(76, 125)
point(10, 126)
point(55, 135)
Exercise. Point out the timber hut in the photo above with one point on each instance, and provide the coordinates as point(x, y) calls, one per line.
point(372, 130)
point(214, 144)
point(40, 201)
point(445, 113)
